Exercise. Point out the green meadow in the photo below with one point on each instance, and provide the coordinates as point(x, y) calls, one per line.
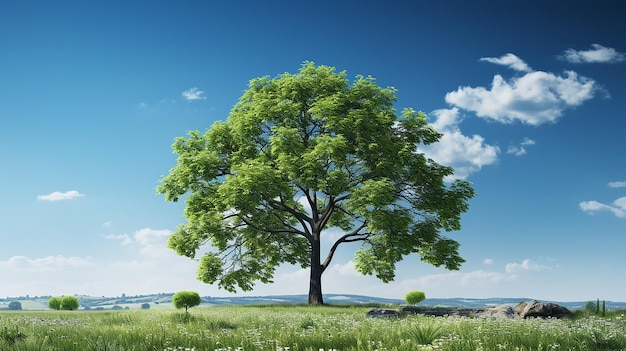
point(299, 328)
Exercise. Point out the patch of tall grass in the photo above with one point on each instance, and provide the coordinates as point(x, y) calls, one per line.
point(297, 328)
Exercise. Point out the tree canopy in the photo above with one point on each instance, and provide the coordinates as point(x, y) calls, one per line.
point(301, 153)
point(186, 300)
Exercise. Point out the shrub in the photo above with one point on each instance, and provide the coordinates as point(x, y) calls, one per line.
point(69, 303)
point(186, 300)
point(414, 297)
point(145, 306)
point(15, 305)
point(54, 303)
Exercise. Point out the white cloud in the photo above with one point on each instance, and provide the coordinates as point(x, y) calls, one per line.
point(465, 154)
point(59, 196)
point(526, 265)
point(126, 240)
point(597, 54)
point(45, 263)
point(534, 98)
point(193, 94)
point(510, 60)
point(152, 243)
point(520, 150)
point(618, 207)
point(617, 184)
point(488, 261)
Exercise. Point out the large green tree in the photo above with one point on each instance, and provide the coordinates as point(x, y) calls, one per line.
point(301, 153)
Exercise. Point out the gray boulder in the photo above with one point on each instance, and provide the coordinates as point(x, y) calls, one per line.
point(382, 313)
point(538, 309)
point(505, 312)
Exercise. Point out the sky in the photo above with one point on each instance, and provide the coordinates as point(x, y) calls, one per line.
point(530, 97)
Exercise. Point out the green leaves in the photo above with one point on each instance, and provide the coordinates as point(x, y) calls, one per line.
point(303, 152)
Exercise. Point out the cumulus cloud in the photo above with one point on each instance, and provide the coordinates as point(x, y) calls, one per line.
point(526, 265)
point(510, 60)
point(535, 98)
point(59, 196)
point(488, 261)
point(597, 54)
point(621, 184)
point(465, 154)
point(519, 150)
point(193, 94)
point(618, 207)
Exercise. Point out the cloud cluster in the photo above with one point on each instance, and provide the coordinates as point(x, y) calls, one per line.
point(597, 54)
point(510, 60)
point(193, 94)
point(151, 242)
point(466, 154)
point(531, 97)
point(526, 265)
point(618, 207)
point(535, 98)
point(521, 149)
point(60, 196)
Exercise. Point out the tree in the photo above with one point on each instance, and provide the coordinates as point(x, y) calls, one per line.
point(145, 306)
point(414, 297)
point(69, 303)
point(15, 306)
point(302, 153)
point(186, 300)
point(54, 303)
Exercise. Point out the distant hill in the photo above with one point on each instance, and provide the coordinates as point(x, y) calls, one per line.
point(164, 300)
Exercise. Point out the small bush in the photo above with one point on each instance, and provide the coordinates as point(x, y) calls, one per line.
point(414, 297)
point(69, 303)
point(54, 303)
point(15, 306)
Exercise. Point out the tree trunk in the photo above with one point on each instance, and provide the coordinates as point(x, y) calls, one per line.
point(315, 281)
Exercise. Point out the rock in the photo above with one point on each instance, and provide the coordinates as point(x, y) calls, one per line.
point(519, 308)
point(438, 311)
point(538, 309)
point(497, 312)
point(384, 313)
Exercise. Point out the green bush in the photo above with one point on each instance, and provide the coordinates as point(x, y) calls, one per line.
point(54, 303)
point(15, 305)
point(414, 297)
point(69, 303)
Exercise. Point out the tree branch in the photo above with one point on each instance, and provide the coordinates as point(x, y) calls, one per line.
point(347, 238)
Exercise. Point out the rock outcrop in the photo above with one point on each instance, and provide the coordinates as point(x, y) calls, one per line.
point(538, 309)
point(530, 309)
point(382, 313)
point(505, 312)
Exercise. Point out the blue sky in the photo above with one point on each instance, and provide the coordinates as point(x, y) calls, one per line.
point(530, 96)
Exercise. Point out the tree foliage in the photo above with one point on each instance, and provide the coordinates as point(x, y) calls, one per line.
point(414, 297)
point(186, 300)
point(54, 303)
point(302, 153)
point(69, 303)
point(14, 306)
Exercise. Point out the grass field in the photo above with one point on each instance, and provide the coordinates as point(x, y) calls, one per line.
point(298, 328)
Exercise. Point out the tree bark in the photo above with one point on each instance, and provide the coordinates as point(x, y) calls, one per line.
point(315, 281)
